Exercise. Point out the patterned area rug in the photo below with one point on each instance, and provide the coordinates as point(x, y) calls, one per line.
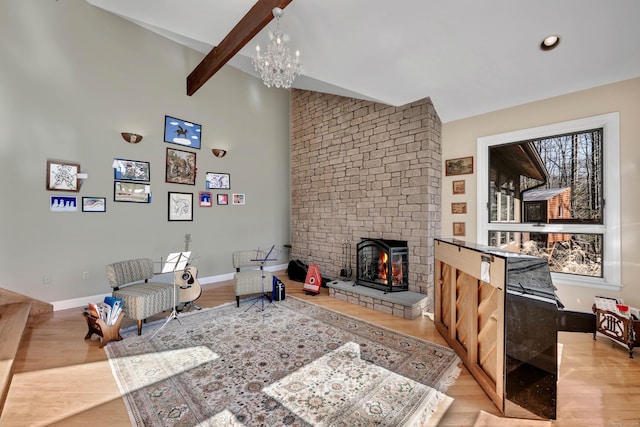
point(211, 367)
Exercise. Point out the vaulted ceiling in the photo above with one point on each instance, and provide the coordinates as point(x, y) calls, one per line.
point(470, 57)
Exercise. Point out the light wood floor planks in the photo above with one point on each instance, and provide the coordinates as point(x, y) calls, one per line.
point(61, 379)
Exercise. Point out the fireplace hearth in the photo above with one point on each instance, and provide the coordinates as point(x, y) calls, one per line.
point(382, 264)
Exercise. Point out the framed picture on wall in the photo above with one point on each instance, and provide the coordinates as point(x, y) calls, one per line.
point(458, 186)
point(62, 176)
point(460, 166)
point(180, 206)
point(135, 192)
point(458, 228)
point(459, 208)
point(218, 181)
point(205, 199)
point(181, 167)
point(63, 204)
point(182, 132)
point(238, 199)
point(94, 204)
point(223, 199)
point(131, 170)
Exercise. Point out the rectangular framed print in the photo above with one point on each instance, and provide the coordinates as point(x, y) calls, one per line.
point(181, 167)
point(182, 132)
point(218, 181)
point(458, 228)
point(238, 199)
point(205, 199)
point(222, 199)
point(180, 206)
point(458, 187)
point(62, 176)
point(63, 204)
point(131, 170)
point(460, 166)
point(135, 192)
point(94, 204)
point(459, 208)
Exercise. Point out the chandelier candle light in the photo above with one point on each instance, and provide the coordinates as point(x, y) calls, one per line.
point(277, 68)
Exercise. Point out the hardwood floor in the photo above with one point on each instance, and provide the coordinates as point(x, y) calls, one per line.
point(61, 379)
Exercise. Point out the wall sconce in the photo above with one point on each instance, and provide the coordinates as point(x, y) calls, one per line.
point(132, 138)
point(218, 152)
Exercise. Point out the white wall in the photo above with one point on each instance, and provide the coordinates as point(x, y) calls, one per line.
point(459, 140)
point(72, 78)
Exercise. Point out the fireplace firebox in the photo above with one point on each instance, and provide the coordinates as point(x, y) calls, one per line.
point(382, 264)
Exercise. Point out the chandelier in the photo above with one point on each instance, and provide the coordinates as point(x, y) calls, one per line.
point(277, 68)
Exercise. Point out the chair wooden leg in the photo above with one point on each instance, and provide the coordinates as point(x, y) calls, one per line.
point(237, 301)
point(139, 327)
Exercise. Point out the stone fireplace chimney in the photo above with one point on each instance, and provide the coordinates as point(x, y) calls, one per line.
point(360, 168)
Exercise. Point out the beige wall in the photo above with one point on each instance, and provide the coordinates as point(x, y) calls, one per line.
point(459, 139)
point(72, 78)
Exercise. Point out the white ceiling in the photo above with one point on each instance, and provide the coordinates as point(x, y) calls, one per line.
point(470, 57)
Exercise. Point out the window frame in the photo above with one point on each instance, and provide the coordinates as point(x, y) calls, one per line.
point(610, 227)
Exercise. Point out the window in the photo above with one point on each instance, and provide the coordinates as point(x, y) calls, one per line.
point(553, 191)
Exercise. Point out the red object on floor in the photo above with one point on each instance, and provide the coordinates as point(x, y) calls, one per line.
point(313, 281)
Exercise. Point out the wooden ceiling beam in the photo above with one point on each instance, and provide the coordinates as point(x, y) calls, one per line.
point(245, 30)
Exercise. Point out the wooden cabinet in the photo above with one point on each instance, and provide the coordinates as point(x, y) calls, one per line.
point(498, 311)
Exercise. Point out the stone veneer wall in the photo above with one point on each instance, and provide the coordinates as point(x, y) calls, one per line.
point(364, 169)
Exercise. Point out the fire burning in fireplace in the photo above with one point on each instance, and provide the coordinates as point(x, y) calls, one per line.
point(383, 270)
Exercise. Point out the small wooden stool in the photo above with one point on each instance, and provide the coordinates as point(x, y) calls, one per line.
point(100, 328)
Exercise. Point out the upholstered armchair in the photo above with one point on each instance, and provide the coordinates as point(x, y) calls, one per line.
point(140, 297)
point(250, 277)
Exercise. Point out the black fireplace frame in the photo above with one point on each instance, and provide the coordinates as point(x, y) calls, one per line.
point(392, 248)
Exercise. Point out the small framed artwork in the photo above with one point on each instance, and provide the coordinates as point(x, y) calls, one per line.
point(63, 204)
point(182, 132)
point(460, 166)
point(458, 228)
point(218, 181)
point(458, 186)
point(223, 199)
point(131, 170)
point(238, 199)
point(94, 204)
point(459, 208)
point(62, 176)
point(180, 206)
point(205, 199)
point(181, 167)
point(135, 192)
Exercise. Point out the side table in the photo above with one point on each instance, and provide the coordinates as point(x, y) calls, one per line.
point(100, 328)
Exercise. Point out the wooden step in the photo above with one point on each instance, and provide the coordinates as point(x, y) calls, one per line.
point(13, 321)
point(37, 307)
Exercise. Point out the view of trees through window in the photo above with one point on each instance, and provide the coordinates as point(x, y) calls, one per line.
point(568, 202)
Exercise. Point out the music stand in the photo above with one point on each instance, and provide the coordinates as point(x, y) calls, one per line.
point(262, 262)
point(175, 261)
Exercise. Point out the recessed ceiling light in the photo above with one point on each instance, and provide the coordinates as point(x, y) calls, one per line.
point(550, 42)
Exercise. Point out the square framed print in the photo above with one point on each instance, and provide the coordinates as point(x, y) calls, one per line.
point(218, 181)
point(135, 192)
point(182, 132)
point(458, 228)
point(458, 187)
point(63, 204)
point(223, 199)
point(62, 176)
point(180, 206)
point(459, 208)
point(238, 199)
point(131, 170)
point(94, 204)
point(460, 166)
point(181, 167)
point(205, 199)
